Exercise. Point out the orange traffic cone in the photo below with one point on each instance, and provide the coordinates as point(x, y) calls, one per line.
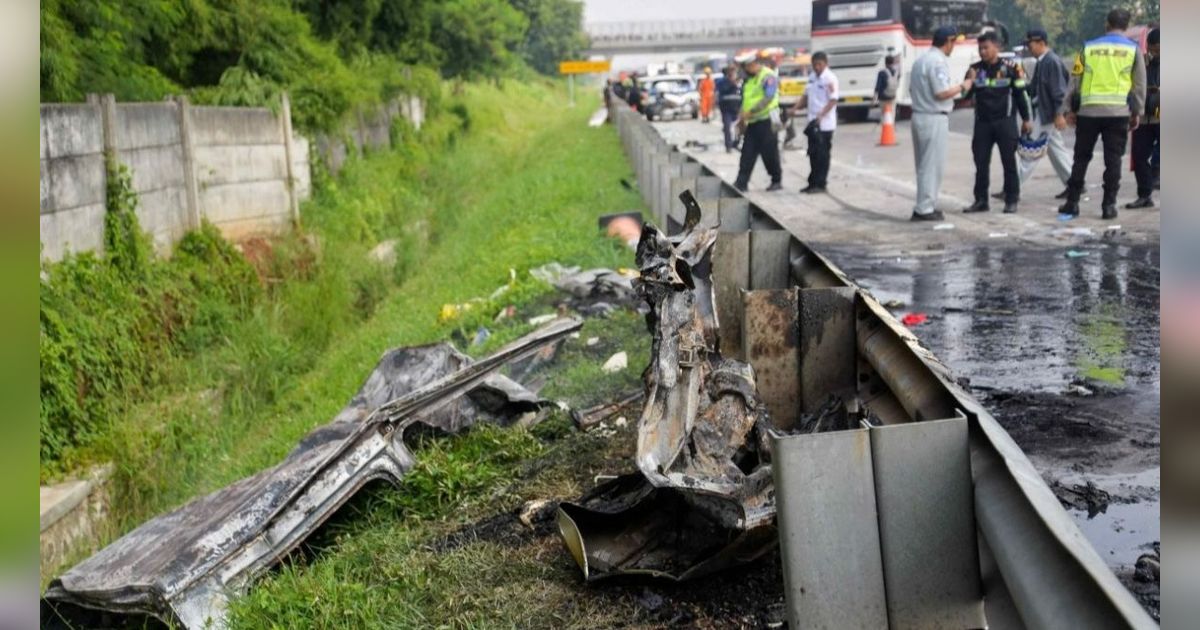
point(888, 119)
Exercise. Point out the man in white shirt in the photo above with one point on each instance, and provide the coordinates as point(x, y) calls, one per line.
point(820, 99)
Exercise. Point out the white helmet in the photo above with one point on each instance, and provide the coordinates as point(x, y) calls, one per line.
point(1030, 148)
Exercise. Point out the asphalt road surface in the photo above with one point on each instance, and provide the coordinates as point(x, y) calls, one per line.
point(1054, 324)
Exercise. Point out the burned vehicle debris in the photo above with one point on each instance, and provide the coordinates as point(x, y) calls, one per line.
point(702, 498)
point(184, 567)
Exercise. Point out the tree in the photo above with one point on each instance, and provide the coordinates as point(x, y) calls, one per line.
point(555, 32)
point(477, 37)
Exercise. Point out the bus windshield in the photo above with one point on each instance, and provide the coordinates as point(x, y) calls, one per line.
point(922, 17)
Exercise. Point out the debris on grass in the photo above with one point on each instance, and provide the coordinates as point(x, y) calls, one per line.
point(616, 363)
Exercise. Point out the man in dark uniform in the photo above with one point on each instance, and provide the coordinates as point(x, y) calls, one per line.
point(998, 87)
point(1146, 136)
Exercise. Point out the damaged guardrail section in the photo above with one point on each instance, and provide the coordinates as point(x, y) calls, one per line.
point(183, 567)
point(900, 501)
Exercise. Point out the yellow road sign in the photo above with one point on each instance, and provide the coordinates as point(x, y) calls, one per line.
point(583, 67)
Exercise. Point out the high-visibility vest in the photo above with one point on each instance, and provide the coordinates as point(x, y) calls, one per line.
point(753, 93)
point(1107, 68)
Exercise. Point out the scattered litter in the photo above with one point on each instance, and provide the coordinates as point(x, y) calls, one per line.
point(626, 184)
point(944, 226)
point(594, 416)
point(914, 319)
point(542, 319)
point(481, 336)
point(997, 234)
point(1112, 228)
point(450, 312)
point(1067, 217)
point(1083, 497)
point(575, 335)
point(1147, 567)
point(591, 341)
point(1074, 253)
point(620, 422)
point(615, 363)
point(696, 144)
point(384, 253)
point(591, 283)
point(650, 601)
point(893, 304)
point(506, 312)
point(1079, 390)
point(599, 117)
point(1076, 231)
point(536, 511)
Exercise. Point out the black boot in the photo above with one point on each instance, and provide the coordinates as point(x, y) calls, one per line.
point(978, 206)
point(999, 195)
point(1142, 202)
point(1108, 211)
point(1010, 208)
point(1069, 208)
point(1063, 195)
point(774, 186)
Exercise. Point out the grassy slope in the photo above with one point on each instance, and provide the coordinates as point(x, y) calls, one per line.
point(521, 188)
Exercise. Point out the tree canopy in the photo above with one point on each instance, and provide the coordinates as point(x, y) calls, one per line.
point(1068, 22)
point(330, 54)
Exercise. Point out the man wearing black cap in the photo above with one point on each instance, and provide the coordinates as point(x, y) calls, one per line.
point(1048, 89)
point(932, 92)
point(998, 87)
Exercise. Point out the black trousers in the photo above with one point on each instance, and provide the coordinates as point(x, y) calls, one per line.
point(1145, 139)
point(1001, 133)
point(728, 120)
point(759, 140)
point(1113, 132)
point(818, 158)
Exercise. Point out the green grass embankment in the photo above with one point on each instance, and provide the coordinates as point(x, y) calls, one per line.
point(519, 183)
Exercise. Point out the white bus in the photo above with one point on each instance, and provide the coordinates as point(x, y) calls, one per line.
point(858, 34)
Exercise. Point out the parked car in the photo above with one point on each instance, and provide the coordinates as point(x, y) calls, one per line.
point(669, 95)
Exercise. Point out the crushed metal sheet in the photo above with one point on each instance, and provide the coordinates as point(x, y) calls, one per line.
point(184, 566)
point(703, 499)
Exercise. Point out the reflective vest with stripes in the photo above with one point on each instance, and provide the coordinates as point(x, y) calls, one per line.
point(753, 92)
point(1107, 70)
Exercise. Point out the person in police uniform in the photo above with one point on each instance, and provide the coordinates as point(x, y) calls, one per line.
point(760, 97)
point(1107, 96)
point(998, 87)
point(1146, 137)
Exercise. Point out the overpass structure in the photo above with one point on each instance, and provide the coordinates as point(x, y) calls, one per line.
point(610, 38)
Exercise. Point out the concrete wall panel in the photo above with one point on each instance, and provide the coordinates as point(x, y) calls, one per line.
point(230, 164)
point(234, 125)
point(141, 125)
point(154, 167)
point(163, 215)
point(71, 130)
point(77, 230)
point(236, 202)
point(72, 182)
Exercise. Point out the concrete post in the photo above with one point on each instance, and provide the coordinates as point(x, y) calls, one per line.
point(285, 120)
point(108, 118)
point(191, 190)
point(362, 131)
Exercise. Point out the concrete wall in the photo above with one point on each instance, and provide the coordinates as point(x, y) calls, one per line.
point(225, 164)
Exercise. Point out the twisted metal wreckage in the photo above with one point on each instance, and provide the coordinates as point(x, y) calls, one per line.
point(183, 567)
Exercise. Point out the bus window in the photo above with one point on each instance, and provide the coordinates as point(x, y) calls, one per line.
point(922, 17)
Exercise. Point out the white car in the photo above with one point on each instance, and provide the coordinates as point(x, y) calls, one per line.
point(669, 95)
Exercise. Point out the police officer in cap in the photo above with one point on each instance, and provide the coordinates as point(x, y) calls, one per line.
point(760, 101)
point(998, 87)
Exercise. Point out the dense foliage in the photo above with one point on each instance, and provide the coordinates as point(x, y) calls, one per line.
point(330, 54)
point(1068, 22)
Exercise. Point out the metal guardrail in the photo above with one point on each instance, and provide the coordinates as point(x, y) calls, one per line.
point(1037, 570)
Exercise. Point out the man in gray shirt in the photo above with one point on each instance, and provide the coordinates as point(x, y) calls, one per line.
point(933, 94)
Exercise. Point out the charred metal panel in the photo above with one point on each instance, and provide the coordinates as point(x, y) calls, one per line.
point(769, 259)
point(828, 535)
point(183, 566)
point(734, 213)
point(771, 343)
point(731, 276)
point(827, 346)
point(678, 186)
point(927, 525)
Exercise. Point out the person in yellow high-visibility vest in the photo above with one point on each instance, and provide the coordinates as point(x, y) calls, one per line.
point(760, 110)
point(1107, 96)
